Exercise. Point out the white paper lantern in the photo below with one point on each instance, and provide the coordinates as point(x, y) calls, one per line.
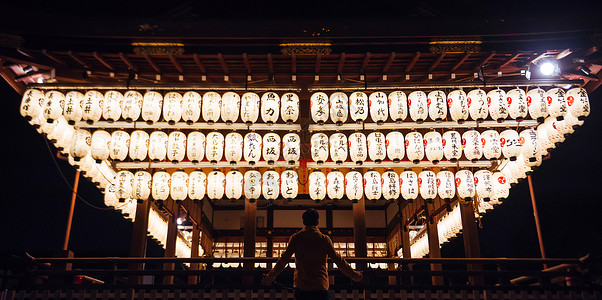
point(532, 163)
point(270, 188)
point(172, 107)
point(157, 146)
point(142, 186)
point(414, 146)
point(317, 185)
point(551, 129)
point(197, 183)
point(270, 107)
point(289, 107)
point(191, 107)
point(271, 147)
point(427, 182)
point(124, 182)
point(233, 151)
point(408, 181)
point(151, 107)
point(45, 127)
point(252, 185)
point(395, 146)
point(111, 110)
point(160, 187)
point(377, 150)
point(211, 104)
point(357, 147)
point(234, 185)
point(578, 103)
point(335, 185)
point(446, 187)
point(501, 187)
point(64, 140)
point(139, 141)
point(458, 106)
point(338, 107)
point(372, 185)
point(53, 107)
point(398, 106)
point(195, 146)
point(465, 184)
point(249, 107)
point(318, 104)
point(418, 106)
point(74, 107)
point(483, 180)
point(530, 148)
point(216, 184)
point(291, 147)
point(214, 149)
point(477, 105)
point(433, 146)
point(92, 109)
point(120, 145)
point(230, 107)
point(354, 186)
point(338, 147)
point(289, 184)
point(57, 133)
point(517, 104)
point(176, 146)
point(179, 185)
point(436, 104)
point(564, 127)
point(80, 144)
point(100, 145)
point(358, 106)
point(510, 143)
point(319, 147)
point(390, 185)
point(471, 142)
point(32, 103)
point(252, 147)
point(543, 141)
point(537, 104)
point(379, 112)
point(490, 141)
point(132, 105)
point(557, 104)
point(497, 104)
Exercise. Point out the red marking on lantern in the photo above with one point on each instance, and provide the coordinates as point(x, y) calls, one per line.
point(502, 142)
point(407, 143)
point(469, 101)
point(449, 102)
point(549, 100)
point(501, 179)
point(529, 100)
point(425, 142)
point(463, 142)
point(476, 180)
point(428, 101)
point(409, 102)
point(443, 142)
point(419, 182)
point(483, 141)
point(570, 100)
point(438, 182)
point(488, 101)
point(509, 99)
point(458, 181)
point(522, 141)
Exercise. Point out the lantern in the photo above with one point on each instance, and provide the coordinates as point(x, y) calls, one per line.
point(215, 146)
point(458, 106)
point(32, 103)
point(433, 146)
point(120, 144)
point(157, 146)
point(477, 105)
point(230, 107)
point(160, 187)
point(270, 107)
point(289, 184)
point(80, 144)
point(390, 185)
point(372, 185)
point(376, 146)
point(319, 147)
point(335, 185)
point(578, 103)
point(124, 181)
point(252, 147)
point(210, 108)
point(249, 108)
point(53, 107)
point(195, 146)
point(414, 146)
point(197, 182)
point(517, 104)
point(291, 147)
point(395, 146)
point(379, 112)
point(358, 106)
point(338, 108)
point(563, 127)
point(557, 104)
point(357, 147)
point(142, 186)
point(216, 181)
point(172, 107)
point(271, 185)
point(132, 105)
point(45, 127)
point(179, 186)
point(510, 143)
point(408, 181)
point(233, 151)
point(317, 185)
point(498, 104)
point(543, 141)
point(289, 107)
point(234, 185)
point(446, 185)
point(64, 140)
point(138, 145)
point(552, 130)
point(74, 107)
point(176, 146)
point(465, 184)
point(436, 104)
point(111, 110)
point(398, 106)
point(529, 145)
point(191, 107)
point(501, 187)
point(318, 104)
point(427, 182)
point(537, 104)
point(271, 147)
point(151, 107)
point(532, 163)
point(354, 187)
point(100, 145)
point(338, 147)
point(418, 106)
point(523, 168)
point(252, 185)
point(483, 180)
point(59, 129)
point(491, 144)
point(471, 142)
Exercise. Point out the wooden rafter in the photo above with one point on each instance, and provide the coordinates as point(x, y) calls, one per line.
point(486, 60)
point(152, 63)
point(388, 63)
point(222, 62)
point(341, 63)
point(51, 56)
point(460, 62)
point(176, 64)
point(365, 63)
point(270, 64)
point(294, 64)
point(25, 53)
point(78, 59)
point(437, 61)
point(412, 62)
point(564, 54)
point(198, 63)
point(509, 61)
point(103, 61)
point(245, 58)
point(127, 61)
point(318, 61)
point(538, 57)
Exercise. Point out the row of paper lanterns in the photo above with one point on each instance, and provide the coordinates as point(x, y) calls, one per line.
point(476, 105)
point(172, 107)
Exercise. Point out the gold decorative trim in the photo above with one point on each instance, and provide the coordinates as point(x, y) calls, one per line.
point(158, 48)
point(301, 47)
point(455, 46)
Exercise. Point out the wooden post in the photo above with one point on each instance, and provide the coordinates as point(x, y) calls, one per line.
point(537, 225)
point(194, 252)
point(139, 238)
point(249, 238)
point(471, 241)
point(433, 237)
point(170, 247)
point(405, 242)
point(71, 209)
point(359, 231)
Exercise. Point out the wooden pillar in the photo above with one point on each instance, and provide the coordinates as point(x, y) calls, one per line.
point(170, 247)
point(471, 241)
point(329, 231)
point(433, 237)
point(405, 242)
point(194, 252)
point(250, 214)
point(359, 231)
point(139, 238)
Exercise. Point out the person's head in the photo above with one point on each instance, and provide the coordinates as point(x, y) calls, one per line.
point(311, 217)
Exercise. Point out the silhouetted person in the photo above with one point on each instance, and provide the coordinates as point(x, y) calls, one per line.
point(311, 247)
